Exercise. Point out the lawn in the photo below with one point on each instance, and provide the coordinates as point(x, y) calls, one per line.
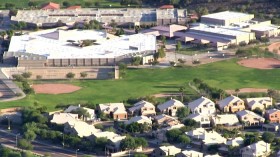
point(194, 50)
point(142, 82)
point(24, 3)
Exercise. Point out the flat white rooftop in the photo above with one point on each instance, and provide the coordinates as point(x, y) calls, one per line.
point(54, 44)
point(226, 15)
point(219, 30)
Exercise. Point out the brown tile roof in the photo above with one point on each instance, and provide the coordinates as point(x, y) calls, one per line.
point(74, 7)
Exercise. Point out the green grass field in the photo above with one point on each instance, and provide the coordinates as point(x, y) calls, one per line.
point(24, 3)
point(143, 82)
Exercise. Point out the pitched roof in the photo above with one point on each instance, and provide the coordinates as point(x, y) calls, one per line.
point(107, 134)
point(223, 119)
point(112, 107)
point(170, 103)
point(82, 128)
point(74, 7)
point(72, 108)
point(51, 5)
point(259, 146)
point(235, 142)
point(171, 150)
point(62, 118)
point(192, 153)
point(270, 111)
point(245, 112)
point(260, 100)
point(228, 100)
point(164, 117)
point(139, 119)
point(140, 105)
point(200, 102)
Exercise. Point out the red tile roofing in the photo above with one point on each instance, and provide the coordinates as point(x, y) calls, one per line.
point(51, 5)
point(74, 7)
point(167, 7)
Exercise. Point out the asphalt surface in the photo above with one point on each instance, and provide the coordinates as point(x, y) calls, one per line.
point(9, 139)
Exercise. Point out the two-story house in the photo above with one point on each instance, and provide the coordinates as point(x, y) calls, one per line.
point(249, 118)
point(258, 149)
point(142, 108)
point(165, 120)
point(139, 120)
point(203, 106)
point(231, 104)
point(170, 107)
point(113, 110)
point(261, 103)
point(203, 120)
point(273, 115)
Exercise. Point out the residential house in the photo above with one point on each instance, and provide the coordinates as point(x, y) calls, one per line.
point(139, 119)
point(114, 143)
point(273, 127)
point(202, 106)
point(143, 108)
point(231, 104)
point(91, 112)
point(160, 134)
point(190, 153)
point(258, 149)
point(235, 142)
point(203, 120)
point(50, 6)
point(273, 115)
point(62, 118)
point(166, 151)
point(114, 110)
point(262, 103)
point(80, 128)
point(249, 118)
point(165, 120)
point(215, 155)
point(225, 120)
point(170, 107)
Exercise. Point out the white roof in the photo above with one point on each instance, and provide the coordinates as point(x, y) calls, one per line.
point(139, 119)
point(236, 141)
point(216, 155)
point(140, 105)
point(211, 137)
point(62, 118)
point(170, 103)
point(71, 108)
point(259, 147)
point(171, 150)
point(199, 117)
point(112, 107)
point(164, 116)
point(198, 132)
point(82, 128)
point(225, 119)
point(266, 28)
point(192, 153)
point(53, 44)
point(107, 134)
point(247, 112)
point(200, 102)
point(177, 126)
point(226, 15)
point(228, 100)
point(261, 100)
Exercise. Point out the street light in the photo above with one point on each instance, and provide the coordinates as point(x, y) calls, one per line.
point(62, 139)
point(77, 152)
point(9, 126)
point(17, 139)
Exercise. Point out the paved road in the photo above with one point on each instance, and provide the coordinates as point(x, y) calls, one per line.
point(38, 147)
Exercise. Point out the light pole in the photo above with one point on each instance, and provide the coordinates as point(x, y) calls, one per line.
point(77, 152)
point(17, 139)
point(9, 126)
point(62, 139)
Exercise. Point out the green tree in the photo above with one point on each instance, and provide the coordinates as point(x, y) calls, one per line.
point(140, 155)
point(173, 135)
point(83, 75)
point(258, 111)
point(178, 45)
point(163, 39)
point(136, 60)
point(29, 135)
point(66, 4)
point(101, 142)
point(81, 113)
point(27, 154)
point(70, 75)
point(140, 141)
point(191, 123)
point(24, 144)
point(161, 52)
point(183, 112)
point(268, 137)
point(128, 143)
point(26, 75)
point(4, 152)
point(184, 139)
point(237, 90)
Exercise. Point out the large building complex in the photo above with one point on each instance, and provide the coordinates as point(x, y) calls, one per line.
point(124, 16)
point(55, 47)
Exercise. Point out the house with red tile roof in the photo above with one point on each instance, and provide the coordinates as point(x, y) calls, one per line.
point(50, 5)
point(74, 7)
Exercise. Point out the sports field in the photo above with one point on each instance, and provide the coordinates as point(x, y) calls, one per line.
point(142, 82)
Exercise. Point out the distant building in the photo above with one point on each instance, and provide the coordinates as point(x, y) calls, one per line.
point(203, 120)
point(261, 103)
point(258, 149)
point(80, 128)
point(273, 115)
point(143, 108)
point(225, 120)
point(203, 106)
point(170, 107)
point(231, 104)
point(62, 118)
point(166, 151)
point(50, 6)
point(167, 31)
point(249, 118)
point(91, 112)
point(114, 110)
point(165, 120)
point(139, 120)
point(189, 153)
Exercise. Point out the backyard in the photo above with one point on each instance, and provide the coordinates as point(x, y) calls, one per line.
point(143, 82)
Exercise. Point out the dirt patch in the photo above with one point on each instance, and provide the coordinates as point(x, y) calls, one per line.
point(260, 63)
point(274, 47)
point(248, 90)
point(55, 88)
point(162, 95)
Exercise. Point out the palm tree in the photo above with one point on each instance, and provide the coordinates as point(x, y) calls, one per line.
point(237, 90)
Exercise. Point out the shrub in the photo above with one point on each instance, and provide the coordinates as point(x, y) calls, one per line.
point(196, 62)
point(18, 78)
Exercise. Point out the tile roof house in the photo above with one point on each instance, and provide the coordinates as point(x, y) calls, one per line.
point(203, 120)
point(258, 149)
point(62, 118)
point(50, 5)
point(231, 104)
point(166, 151)
point(80, 128)
point(143, 108)
point(139, 119)
point(165, 120)
point(114, 110)
point(170, 107)
point(202, 105)
point(262, 103)
point(225, 120)
point(249, 118)
point(91, 112)
point(273, 115)
point(190, 153)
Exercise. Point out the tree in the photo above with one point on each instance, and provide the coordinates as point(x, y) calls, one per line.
point(128, 143)
point(29, 135)
point(237, 90)
point(27, 154)
point(163, 39)
point(191, 123)
point(140, 141)
point(3, 34)
point(136, 60)
point(32, 4)
point(258, 111)
point(140, 155)
point(173, 135)
point(101, 142)
point(183, 112)
point(178, 45)
point(26, 75)
point(70, 75)
point(24, 144)
point(9, 5)
point(83, 75)
point(184, 139)
point(66, 4)
point(81, 113)
point(161, 52)
point(268, 137)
